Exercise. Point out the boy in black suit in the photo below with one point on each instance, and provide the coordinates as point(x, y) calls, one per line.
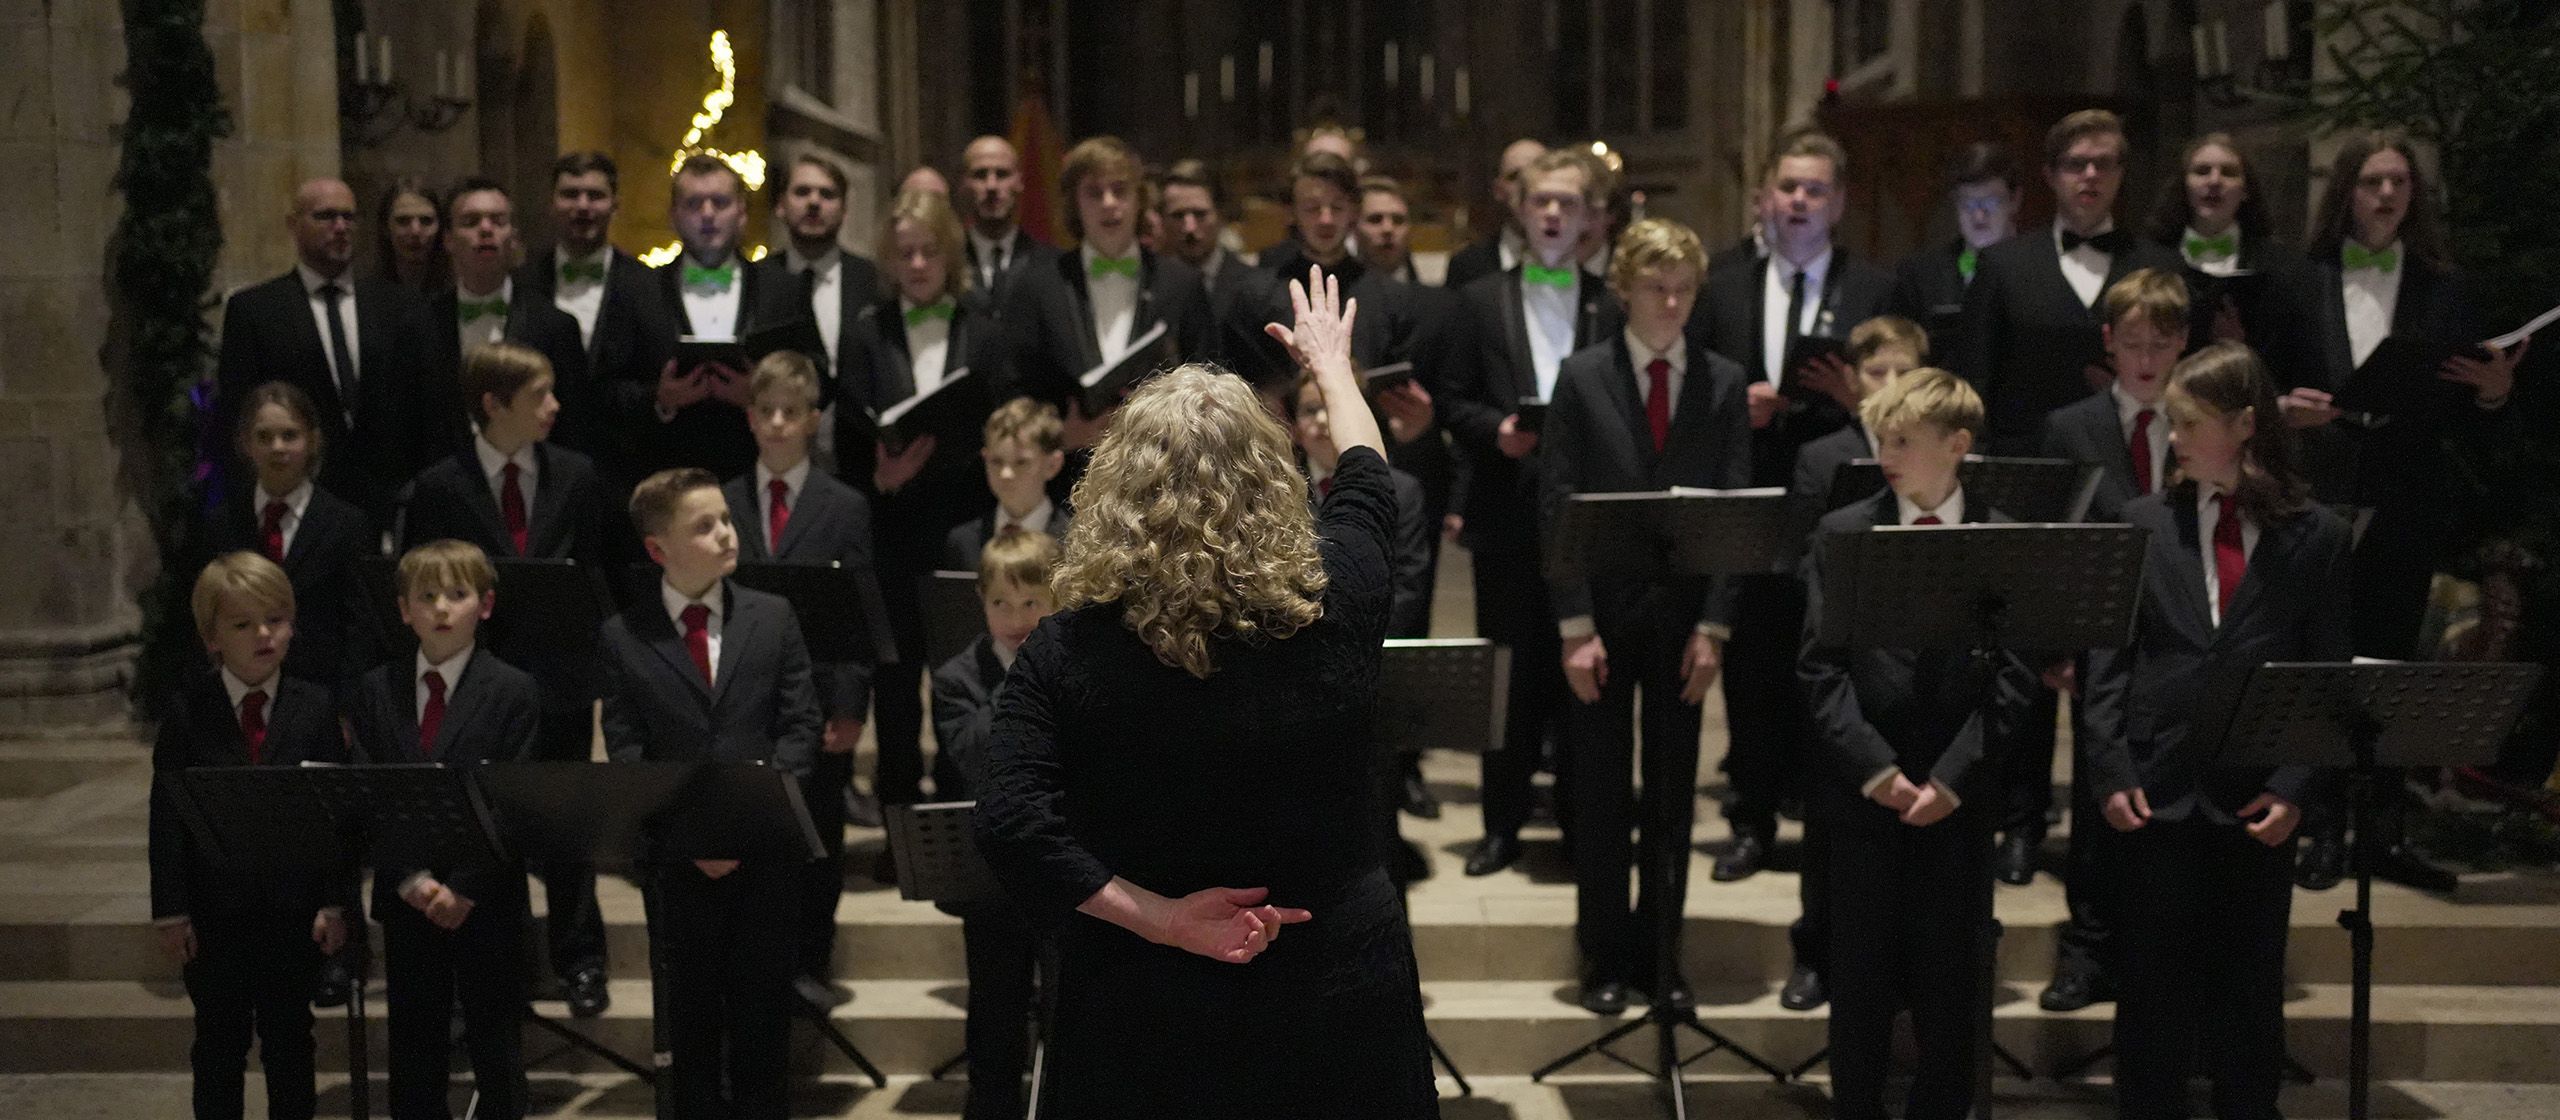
point(1755, 311)
point(1025, 448)
point(708, 292)
point(1515, 330)
point(2243, 569)
point(450, 933)
point(1647, 410)
point(790, 511)
point(514, 493)
point(481, 308)
point(1013, 585)
point(284, 514)
point(1903, 746)
point(706, 670)
point(251, 945)
point(1930, 285)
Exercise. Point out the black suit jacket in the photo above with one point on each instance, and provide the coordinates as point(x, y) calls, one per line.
point(967, 541)
point(2027, 338)
point(2402, 461)
point(1048, 317)
point(1817, 464)
point(632, 341)
point(788, 297)
point(1029, 256)
point(1488, 373)
point(2274, 300)
point(658, 708)
point(1383, 334)
point(375, 442)
point(531, 321)
point(1923, 712)
point(1598, 442)
point(1727, 320)
point(1409, 559)
point(1929, 289)
point(452, 501)
point(2152, 707)
point(831, 522)
point(334, 636)
point(493, 714)
point(1478, 260)
point(964, 714)
point(2087, 431)
point(908, 525)
point(711, 433)
point(202, 730)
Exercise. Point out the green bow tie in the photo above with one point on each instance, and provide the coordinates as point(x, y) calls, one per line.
point(2202, 248)
point(1551, 277)
point(938, 309)
point(2357, 256)
point(475, 308)
point(1968, 261)
point(573, 271)
point(1106, 266)
point(697, 276)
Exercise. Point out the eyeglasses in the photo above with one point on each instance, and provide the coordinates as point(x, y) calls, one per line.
point(2081, 164)
point(1982, 206)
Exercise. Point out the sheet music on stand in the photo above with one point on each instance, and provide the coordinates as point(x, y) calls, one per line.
point(2044, 491)
point(1446, 693)
point(2450, 713)
point(1694, 532)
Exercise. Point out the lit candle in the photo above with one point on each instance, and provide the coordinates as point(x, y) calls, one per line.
point(2279, 34)
point(1391, 65)
point(1425, 67)
point(364, 68)
point(1263, 65)
point(2221, 46)
point(1227, 78)
point(2203, 37)
point(385, 43)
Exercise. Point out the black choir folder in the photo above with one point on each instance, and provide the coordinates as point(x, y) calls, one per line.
point(742, 353)
point(1387, 377)
point(1105, 385)
point(944, 412)
point(1532, 414)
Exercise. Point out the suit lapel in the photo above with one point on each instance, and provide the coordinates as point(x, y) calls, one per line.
point(1515, 338)
point(897, 377)
point(1586, 319)
point(373, 339)
point(461, 703)
point(808, 508)
point(549, 503)
point(314, 349)
point(2186, 571)
point(2275, 542)
point(1145, 315)
point(669, 644)
point(484, 501)
point(1755, 317)
point(1621, 391)
point(404, 699)
point(2334, 341)
point(1071, 267)
point(735, 631)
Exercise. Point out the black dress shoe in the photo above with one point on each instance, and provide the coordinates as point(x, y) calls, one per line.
point(1676, 995)
point(2075, 988)
point(2015, 863)
point(861, 810)
point(2323, 863)
point(587, 996)
point(1743, 860)
point(1604, 997)
point(823, 995)
point(2403, 865)
point(1804, 990)
point(332, 991)
point(1493, 853)
point(1418, 800)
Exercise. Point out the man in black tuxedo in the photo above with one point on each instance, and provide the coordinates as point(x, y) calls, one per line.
point(1755, 311)
point(815, 277)
point(1094, 303)
point(709, 292)
point(1930, 284)
point(1193, 209)
point(1515, 330)
point(623, 326)
point(356, 347)
point(1000, 252)
point(481, 307)
point(1501, 251)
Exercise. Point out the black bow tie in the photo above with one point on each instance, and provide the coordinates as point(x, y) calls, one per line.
point(2112, 242)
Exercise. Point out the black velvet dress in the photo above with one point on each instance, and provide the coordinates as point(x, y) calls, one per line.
point(1106, 761)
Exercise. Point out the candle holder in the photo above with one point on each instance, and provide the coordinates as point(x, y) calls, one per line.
point(374, 106)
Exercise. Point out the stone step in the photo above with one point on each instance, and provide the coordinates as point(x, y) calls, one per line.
point(1492, 1028)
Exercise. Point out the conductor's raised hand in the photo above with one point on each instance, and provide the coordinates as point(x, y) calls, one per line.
point(1225, 923)
point(1319, 335)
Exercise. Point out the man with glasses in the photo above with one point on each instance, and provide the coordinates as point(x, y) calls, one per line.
point(1930, 286)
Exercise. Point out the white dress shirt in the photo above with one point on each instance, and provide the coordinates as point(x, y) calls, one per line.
point(2372, 298)
point(826, 297)
point(928, 347)
point(493, 467)
point(239, 690)
point(295, 501)
point(1115, 304)
point(713, 309)
point(486, 329)
point(1510, 246)
point(582, 298)
point(1036, 521)
point(312, 282)
point(1777, 291)
point(2085, 267)
point(2218, 266)
point(2157, 436)
point(676, 603)
point(2208, 518)
point(450, 669)
point(1639, 355)
point(994, 255)
point(1548, 312)
point(792, 481)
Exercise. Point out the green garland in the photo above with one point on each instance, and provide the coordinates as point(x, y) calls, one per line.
point(163, 253)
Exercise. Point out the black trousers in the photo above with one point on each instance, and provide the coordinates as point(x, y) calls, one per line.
point(1767, 726)
point(573, 925)
point(1809, 936)
point(1618, 941)
point(1911, 913)
point(253, 976)
point(822, 879)
point(1513, 610)
point(1003, 961)
point(2205, 916)
point(2091, 867)
point(428, 969)
point(897, 730)
point(2026, 766)
point(726, 962)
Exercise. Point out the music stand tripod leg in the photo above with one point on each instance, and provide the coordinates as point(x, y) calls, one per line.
point(828, 1029)
point(359, 1061)
point(1442, 1055)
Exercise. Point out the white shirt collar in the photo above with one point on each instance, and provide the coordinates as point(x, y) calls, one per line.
point(1814, 270)
point(450, 668)
point(1949, 512)
point(1511, 246)
point(1036, 521)
point(1641, 355)
point(1004, 657)
point(2127, 407)
point(311, 281)
point(2104, 228)
point(792, 479)
point(506, 291)
point(296, 499)
point(492, 461)
point(238, 689)
point(826, 263)
point(601, 258)
point(676, 603)
point(986, 244)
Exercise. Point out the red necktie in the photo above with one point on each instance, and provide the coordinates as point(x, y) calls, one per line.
point(1927, 519)
point(511, 503)
point(253, 724)
point(273, 530)
point(1324, 486)
point(777, 518)
point(2230, 556)
point(1657, 401)
point(697, 638)
point(2142, 473)
point(431, 718)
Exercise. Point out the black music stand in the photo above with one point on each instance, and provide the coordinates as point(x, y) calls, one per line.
point(2051, 491)
point(938, 862)
point(1987, 590)
point(549, 610)
point(274, 821)
point(2371, 720)
point(841, 615)
point(1679, 532)
point(953, 616)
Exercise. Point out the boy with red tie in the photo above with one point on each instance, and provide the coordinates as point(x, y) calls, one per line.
point(455, 933)
point(250, 944)
point(316, 536)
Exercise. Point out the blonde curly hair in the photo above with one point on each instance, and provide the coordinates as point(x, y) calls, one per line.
point(1194, 518)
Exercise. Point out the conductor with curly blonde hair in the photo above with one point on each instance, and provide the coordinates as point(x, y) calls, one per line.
point(1180, 773)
